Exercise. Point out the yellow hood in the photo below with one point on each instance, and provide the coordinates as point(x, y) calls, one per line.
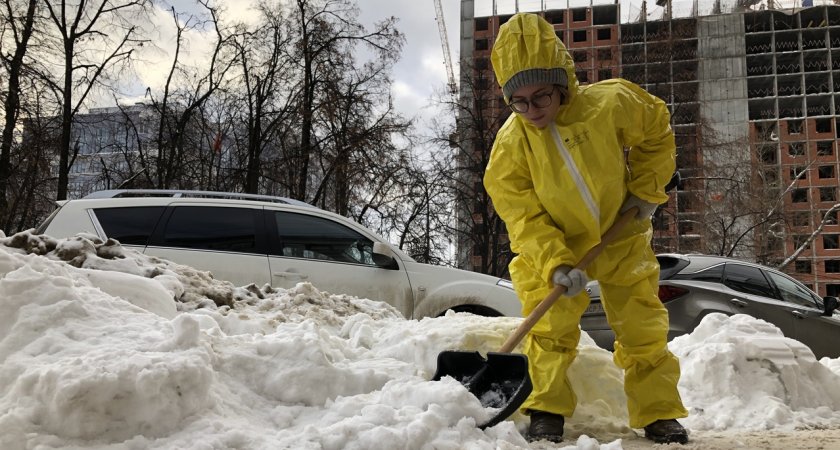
point(527, 42)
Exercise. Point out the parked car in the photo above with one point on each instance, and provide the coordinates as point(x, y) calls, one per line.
point(693, 286)
point(272, 240)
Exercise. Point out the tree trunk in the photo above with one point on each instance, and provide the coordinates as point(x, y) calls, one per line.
point(66, 122)
point(11, 109)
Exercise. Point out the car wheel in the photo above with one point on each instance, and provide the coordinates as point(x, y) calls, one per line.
point(478, 310)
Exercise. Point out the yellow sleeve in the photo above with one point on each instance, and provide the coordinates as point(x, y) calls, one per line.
point(650, 139)
point(533, 234)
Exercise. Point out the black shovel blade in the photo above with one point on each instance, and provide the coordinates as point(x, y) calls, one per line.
point(501, 381)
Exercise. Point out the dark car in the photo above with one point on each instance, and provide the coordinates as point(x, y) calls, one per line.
point(693, 286)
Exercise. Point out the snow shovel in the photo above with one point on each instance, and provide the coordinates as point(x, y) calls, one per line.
point(502, 380)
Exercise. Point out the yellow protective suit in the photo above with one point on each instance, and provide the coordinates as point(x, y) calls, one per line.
point(558, 189)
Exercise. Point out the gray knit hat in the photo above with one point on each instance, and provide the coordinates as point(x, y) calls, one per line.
point(527, 77)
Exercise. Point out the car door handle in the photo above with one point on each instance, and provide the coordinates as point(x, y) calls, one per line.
point(738, 303)
point(798, 314)
point(299, 275)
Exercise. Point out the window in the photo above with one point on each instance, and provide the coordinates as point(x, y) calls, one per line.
point(799, 172)
point(580, 56)
point(796, 149)
point(830, 241)
point(582, 76)
point(828, 194)
point(481, 24)
point(712, 275)
point(130, 226)
point(481, 44)
point(825, 148)
point(554, 17)
point(832, 289)
point(482, 63)
point(579, 14)
point(826, 171)
point(822, 125)
point(767, 153)
point(829, 217)
point(801, 218)
point(661, 222)
point(832, 266)
point(803, 266)
point(747, 279)
point(312, 237)
point(481, 83)
point(791, 291)
point(684, 202)
point(794, 126)
point(213, 228)
point(799, 195)
point(771, 177)
point(604, 74)
point(686, 227)
point(579, 36)
point(559, 34)
point(604, 54)
point(604, 34)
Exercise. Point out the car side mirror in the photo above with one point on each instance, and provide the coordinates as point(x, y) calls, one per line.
point(830, 304)
point(383, 256)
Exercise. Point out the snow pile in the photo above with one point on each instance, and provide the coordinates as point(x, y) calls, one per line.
point(746, 366)
point(103, 347)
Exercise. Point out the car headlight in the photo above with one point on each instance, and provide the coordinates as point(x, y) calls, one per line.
point(505, 283)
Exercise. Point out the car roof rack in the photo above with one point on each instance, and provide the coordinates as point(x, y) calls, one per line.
point(179, 193)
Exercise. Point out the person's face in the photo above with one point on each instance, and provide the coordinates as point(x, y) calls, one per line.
point(537, 103)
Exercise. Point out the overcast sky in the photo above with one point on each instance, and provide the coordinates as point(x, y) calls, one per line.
point(420, 72)
point(418, 76)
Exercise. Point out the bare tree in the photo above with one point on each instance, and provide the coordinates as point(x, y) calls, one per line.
point(268, 85)
point(20, 27)
point(357, 128)
point(177, 106)
point(480, 233)
point(326, 33)
point(30, 183)
point(95, 37)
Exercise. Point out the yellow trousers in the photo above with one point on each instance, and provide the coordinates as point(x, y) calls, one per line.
point(628, 275)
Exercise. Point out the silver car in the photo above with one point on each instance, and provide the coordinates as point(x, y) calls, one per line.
point(244, 238)
point(692, 286)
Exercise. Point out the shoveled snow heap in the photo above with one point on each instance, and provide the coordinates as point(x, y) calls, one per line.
point(103, 347)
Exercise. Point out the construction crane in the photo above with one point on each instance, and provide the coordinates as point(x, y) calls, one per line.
point(447, 59)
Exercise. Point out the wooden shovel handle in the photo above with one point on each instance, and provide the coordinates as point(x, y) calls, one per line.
point(529, 322)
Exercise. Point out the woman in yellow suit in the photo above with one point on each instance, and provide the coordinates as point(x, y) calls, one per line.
point(563, 167)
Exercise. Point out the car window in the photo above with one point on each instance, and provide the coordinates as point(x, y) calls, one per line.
point(132, 225)
point(792, 291)
point(712, 274)
point(213, 228)
point(747, 279)
point(312, 237)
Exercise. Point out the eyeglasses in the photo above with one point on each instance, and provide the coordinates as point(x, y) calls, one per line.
point(541, 100)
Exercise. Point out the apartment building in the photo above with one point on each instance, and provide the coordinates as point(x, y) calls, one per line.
point(754, 95)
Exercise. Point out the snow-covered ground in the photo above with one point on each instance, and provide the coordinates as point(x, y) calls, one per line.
point(103, 347)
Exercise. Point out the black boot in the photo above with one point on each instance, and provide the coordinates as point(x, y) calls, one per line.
point(545, 425)
point(666, 431)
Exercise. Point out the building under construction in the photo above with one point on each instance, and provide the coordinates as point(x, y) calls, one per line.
point(754, 95)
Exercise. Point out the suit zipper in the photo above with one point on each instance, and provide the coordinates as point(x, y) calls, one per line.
point(576, 176)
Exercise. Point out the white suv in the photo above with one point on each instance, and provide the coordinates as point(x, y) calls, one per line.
point(258, 239)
